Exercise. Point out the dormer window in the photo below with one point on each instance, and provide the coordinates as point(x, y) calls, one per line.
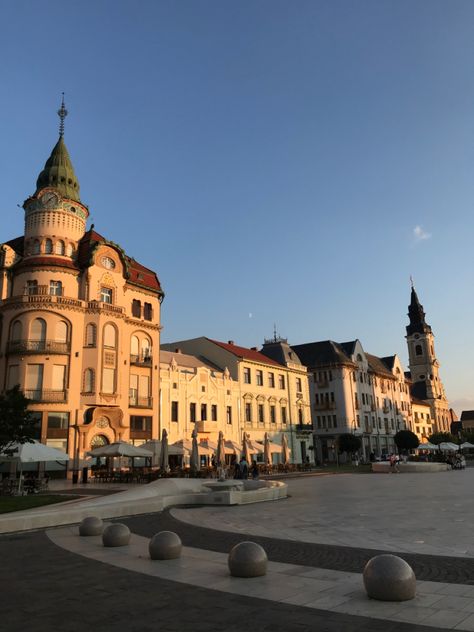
point(108, 263)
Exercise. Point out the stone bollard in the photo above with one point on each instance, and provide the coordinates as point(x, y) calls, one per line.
point(247, 559)
point(116, 534)
point(91, 526)
point(389, 578)
point(165, 545)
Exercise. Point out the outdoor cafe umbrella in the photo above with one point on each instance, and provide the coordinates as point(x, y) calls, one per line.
point(427, 446)
point(34, 452)
point(267, 457)
point(120, 448)
point(220, 456)
point(466, 444)
point(285, 453)
point(164, 462)
point(194, 462)
point(448, 446)
point(245, 448)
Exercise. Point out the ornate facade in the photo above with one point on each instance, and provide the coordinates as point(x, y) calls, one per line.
point(80, 321)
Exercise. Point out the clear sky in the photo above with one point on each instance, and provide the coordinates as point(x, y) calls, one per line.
point(274, 161)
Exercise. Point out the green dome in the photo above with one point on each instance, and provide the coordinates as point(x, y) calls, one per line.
point(59, 173)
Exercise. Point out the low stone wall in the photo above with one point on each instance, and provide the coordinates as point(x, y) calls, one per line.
point(149, 498)
point(383, 467)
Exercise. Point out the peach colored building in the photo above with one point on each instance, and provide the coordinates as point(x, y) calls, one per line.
point(80, 322)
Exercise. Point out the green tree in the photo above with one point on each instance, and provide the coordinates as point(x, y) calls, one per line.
point(406, 440)
point(349, 443)
point(16, 422)
point(438, 437)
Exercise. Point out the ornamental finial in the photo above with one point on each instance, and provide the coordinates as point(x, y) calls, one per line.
point(62, 113)
point(411, 282)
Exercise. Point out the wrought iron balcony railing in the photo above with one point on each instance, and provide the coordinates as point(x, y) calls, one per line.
point(44, 395)
point(38, 346)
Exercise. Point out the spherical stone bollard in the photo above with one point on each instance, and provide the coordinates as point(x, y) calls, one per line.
point(247, 559)
point(389, 578)
point(116, 534)
point(165, 545)
point(91, 526)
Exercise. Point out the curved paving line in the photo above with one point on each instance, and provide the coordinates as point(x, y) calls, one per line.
point(434, 568)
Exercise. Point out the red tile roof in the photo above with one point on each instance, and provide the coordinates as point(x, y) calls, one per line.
point(246, 354)
point(46, 261)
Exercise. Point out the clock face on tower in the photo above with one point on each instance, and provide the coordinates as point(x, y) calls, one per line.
point(49, 199)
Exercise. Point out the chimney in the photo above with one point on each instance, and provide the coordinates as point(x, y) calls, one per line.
point(178, 350)
point(230, 342)
point(253, 348)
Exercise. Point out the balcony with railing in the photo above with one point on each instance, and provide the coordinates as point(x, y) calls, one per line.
point(137, 401)
point(46, 396)
point(141, 359)
point(325, 406)
point(38, 346)
point(108, 307)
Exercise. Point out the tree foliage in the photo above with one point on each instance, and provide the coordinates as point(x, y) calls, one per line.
point(438, 437)
point(16, 422)
point(349, 443)
point(406, 440)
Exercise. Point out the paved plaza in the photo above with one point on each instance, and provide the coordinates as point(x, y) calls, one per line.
point(318, 541)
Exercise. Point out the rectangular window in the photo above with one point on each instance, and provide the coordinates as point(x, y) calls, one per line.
point(271, 380)
point(55, 288)
point(140, 423)
point(34, 380)
point(334, 421)
point(58, 420)
point(214, 412)
point(106, 295)
point(148, 311)
point(259, 378)
point(298, 384)
point(248, 412)
point(318, 421)
point(136, 308)
point(332, 397)
point(203, 412)
point(174, 411)
point(261, 414)
point(13, 375)
point(281, 381)
point(108, 380)
point(247, 379)
point(192, 411)
point(283, 415)
point(59, 377)
point(272, 415)
point(31, 287)
point(229, 414)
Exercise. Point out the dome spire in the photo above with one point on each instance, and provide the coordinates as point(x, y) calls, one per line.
point(62, 113)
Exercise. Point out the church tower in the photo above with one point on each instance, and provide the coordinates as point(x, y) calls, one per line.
point(424, 366)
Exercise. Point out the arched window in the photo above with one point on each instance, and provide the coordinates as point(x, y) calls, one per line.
point(91, 335)
point(89, 381)
point(38, 330)
point(36, 247)
point(48, 246)
point(60, 334)
point(60, 247)
point(359, 358)
point(16, 331)
point(145, 350)
point(69, 250)
point(134, 348)
point(110, 336)
point(418, 350)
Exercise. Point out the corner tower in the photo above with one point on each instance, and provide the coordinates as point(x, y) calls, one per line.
point(424, 366)
point(55, 218)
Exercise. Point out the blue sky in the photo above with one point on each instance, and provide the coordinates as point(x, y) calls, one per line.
point(275, 162)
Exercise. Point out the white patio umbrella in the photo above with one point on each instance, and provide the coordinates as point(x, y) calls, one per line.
point(285, 452)
point(195, 464)
point(466, 444)
point(34, 452)
point(220, 456)
point(120, 448)
point(232, 447)
point(267, 457)
point(448, 446)
point(427, 446)
point(164, 461)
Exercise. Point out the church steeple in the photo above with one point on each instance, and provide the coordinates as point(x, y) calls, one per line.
point(58, 171)
point(416, 316)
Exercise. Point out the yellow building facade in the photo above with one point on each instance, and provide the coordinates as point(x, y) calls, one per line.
point(80, 322)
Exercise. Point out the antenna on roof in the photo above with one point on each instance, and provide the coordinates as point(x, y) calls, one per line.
point(274, 332)
point(412, 284)
point(62, 113)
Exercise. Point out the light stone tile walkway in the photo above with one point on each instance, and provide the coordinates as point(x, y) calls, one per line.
point(436, 604)
point(412, 513)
